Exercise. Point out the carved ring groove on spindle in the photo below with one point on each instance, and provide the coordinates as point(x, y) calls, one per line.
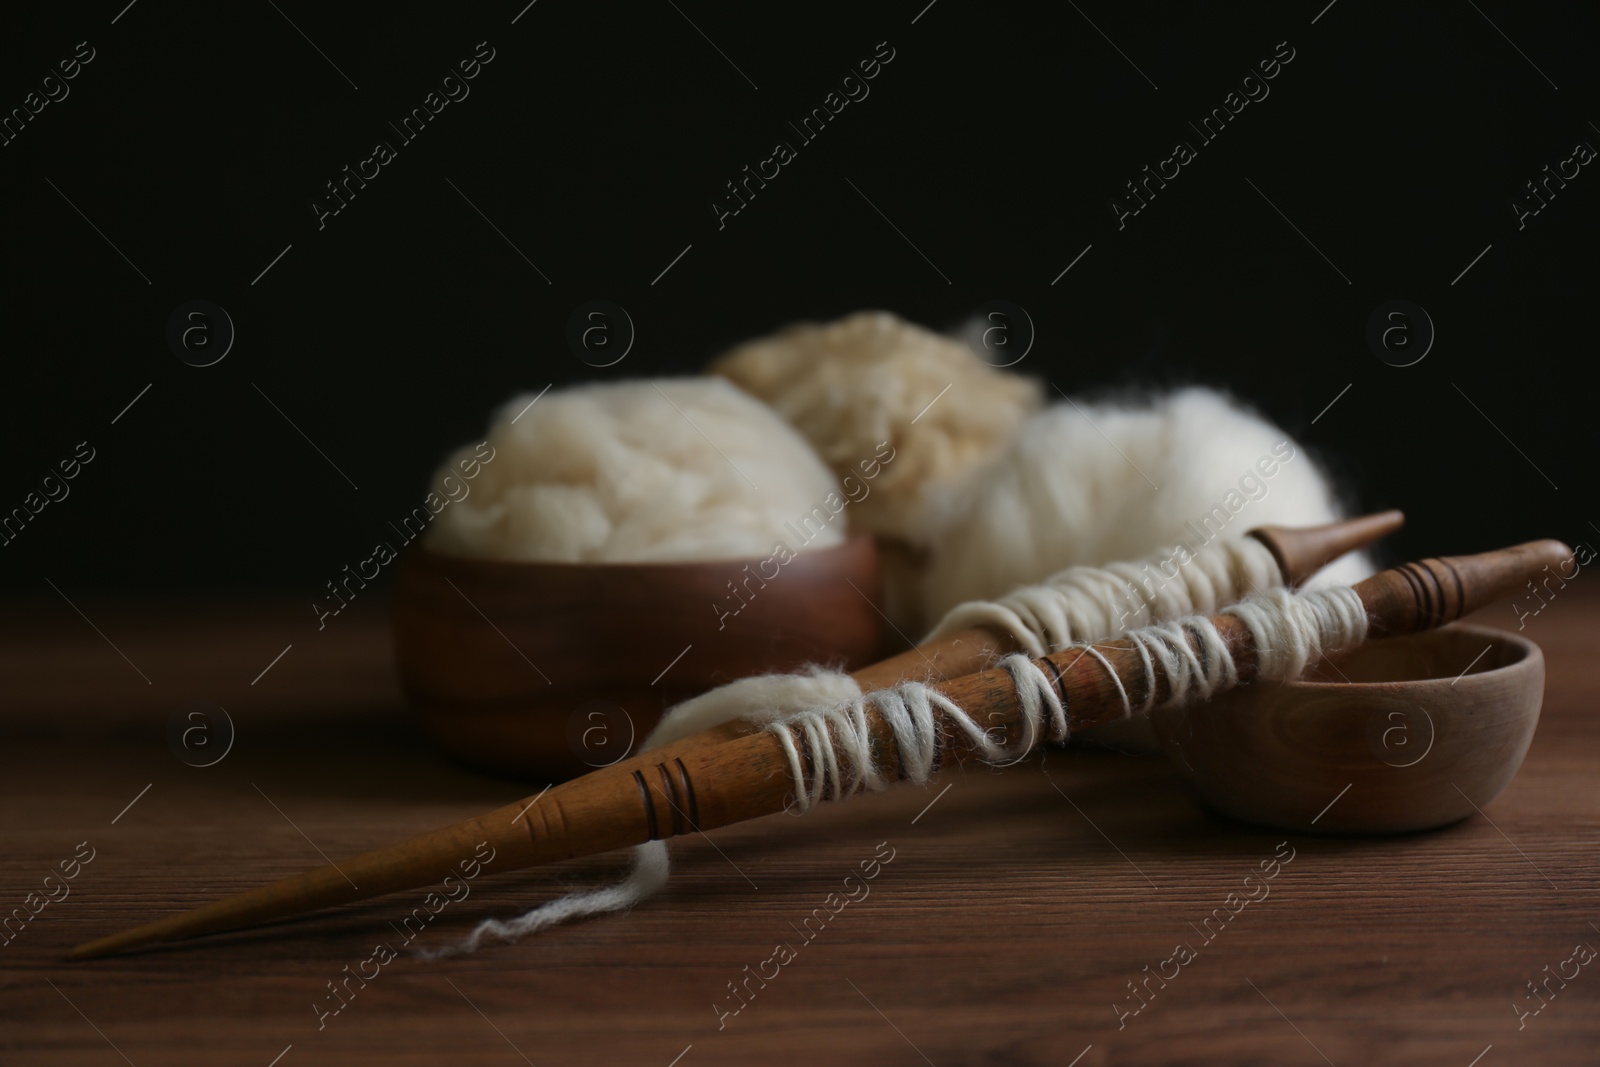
point(1461, 589)
point(1423, 587)
point(688, 793)
point(649, 807)
point(527, 826)
point(552, 821)
point(1417, 595)
point(1436, 571)
point(544, 831)
point(669, 790)
point(1435, 590)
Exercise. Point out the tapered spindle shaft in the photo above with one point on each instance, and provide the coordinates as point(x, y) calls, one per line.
point(658, 794)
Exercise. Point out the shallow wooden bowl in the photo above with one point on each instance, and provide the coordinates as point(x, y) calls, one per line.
point(550, 670)
point(1409, 743)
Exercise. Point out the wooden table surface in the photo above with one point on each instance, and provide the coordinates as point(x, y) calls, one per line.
point(1004, 930)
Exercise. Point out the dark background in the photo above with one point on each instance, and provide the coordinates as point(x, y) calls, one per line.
point(596, 140)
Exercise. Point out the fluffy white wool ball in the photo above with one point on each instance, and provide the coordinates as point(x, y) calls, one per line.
point(636, 471)
point(870, 377)
point(1095, 483)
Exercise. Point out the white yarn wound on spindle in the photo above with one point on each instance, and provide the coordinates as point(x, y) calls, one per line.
point(1078, 604)
point(839, 739)
point(1291, 630)
point(1288, 630)
point(1092, 603)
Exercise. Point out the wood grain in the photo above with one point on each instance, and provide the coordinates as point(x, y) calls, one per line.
point(554, 669)
point(1012, 916)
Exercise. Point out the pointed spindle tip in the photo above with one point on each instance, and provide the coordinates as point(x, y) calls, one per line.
point(1301, 551)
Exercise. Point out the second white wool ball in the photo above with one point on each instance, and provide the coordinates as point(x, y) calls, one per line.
point(1093, 483)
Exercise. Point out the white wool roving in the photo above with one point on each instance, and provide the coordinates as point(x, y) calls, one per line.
point(754, 699)
point(1097, 603)
point(1090, 483)
point(635, 471)
point(829, 747)
point(872, 377)
point(1287, 629)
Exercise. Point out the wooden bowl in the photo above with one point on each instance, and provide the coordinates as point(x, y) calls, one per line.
point(553, 669)
point(1425, 732)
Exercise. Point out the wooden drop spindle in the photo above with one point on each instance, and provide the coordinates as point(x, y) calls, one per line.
point(659, 794)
